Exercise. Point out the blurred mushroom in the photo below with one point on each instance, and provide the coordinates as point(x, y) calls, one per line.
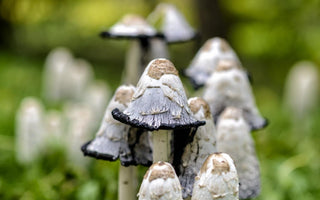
point(207, 59)
point(171, 23)
point(29, 130)
point(54, 128)
point(233, 137)
point(57, 64)
point(138, 30)
point(160, 183)
point(159, 104)
point(227, 86)
point(217, 179)
point(196, 152)
point(301, 89)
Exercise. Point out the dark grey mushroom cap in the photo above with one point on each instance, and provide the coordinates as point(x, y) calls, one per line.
point(159, 102)
point(131, 27)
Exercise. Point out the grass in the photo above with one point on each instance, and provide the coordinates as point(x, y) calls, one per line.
point(288, 151)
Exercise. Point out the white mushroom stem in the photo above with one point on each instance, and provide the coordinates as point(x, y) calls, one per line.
point(126, 183)
point(132, 70)
point(161, 145)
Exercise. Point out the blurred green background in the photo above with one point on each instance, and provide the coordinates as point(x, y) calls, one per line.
point(268, 35)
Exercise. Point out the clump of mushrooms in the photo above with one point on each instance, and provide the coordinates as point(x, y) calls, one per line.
point(203, 144)
point(217, 179)
point(233, 137)
point(159, 104)
point(207, 59)
point(160, 183)
point(229, 85)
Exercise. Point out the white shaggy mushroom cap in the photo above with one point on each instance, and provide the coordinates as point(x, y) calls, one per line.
point(301, 89)
point(173, 24)
point(207, 59)
point(234, 138)
point(217, 179)
point(132, 25)
point(30, 132)
point(227, 86)
point(203, 145)
point(160, 183)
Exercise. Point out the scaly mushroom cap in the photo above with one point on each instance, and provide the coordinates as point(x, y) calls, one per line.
point(228, 86)
point(172, 23)
point(200, 148)
point(131, 26)
point(160, 101)
point(160, 183)
point(233, 137)
point(207, 59)
point(217, 179)
point(110, 141)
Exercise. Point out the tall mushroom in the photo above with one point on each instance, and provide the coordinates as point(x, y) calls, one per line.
point(233, 137)
point(159, 105)
point(203, 144)
point(227, 86)
point(160, 183)
point(136, 29)
point(207, 59)
point(217, 179)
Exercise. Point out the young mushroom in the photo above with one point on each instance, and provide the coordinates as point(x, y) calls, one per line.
point(159, 104)
point(160, 183)
point(30, 130)
point(207, 59)
point(233, 137)
point(171, 23)
point(227, 86)
point(203, 145)
point(136, 29)
point(217, 179)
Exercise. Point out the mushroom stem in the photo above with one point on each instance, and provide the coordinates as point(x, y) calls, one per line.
point(161, 145)
point(126, 183)
point(133, 67)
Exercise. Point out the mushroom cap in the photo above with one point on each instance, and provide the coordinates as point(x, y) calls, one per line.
point(160, 101)
point(110, 139)
point(131, 26)
point(172, 23)
point(203, 145)
point(234, 138)
point(217, 179)
point(228, 86)
point(160, 183)
point(207, 59)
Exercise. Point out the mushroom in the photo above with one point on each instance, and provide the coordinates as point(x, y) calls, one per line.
point(233, 137)
point(159, 104)
point(54, 127)
point(203, 145)
point(301, 89)
point(29, 130)
point(138, 30)
point(207, 59)
point(171, 23)
point(160, 183)
point(217, 179)
point(227, 86)
point(57, 63)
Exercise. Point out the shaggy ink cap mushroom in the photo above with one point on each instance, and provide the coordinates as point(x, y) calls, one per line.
point(172, 24)
point(110, 141)
point(207, 59)
point(203, 145)
point(131, 27)
point(217, 179)
point(160, 183)
point(234, 138)
point(159, 101)
point(228, 86)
